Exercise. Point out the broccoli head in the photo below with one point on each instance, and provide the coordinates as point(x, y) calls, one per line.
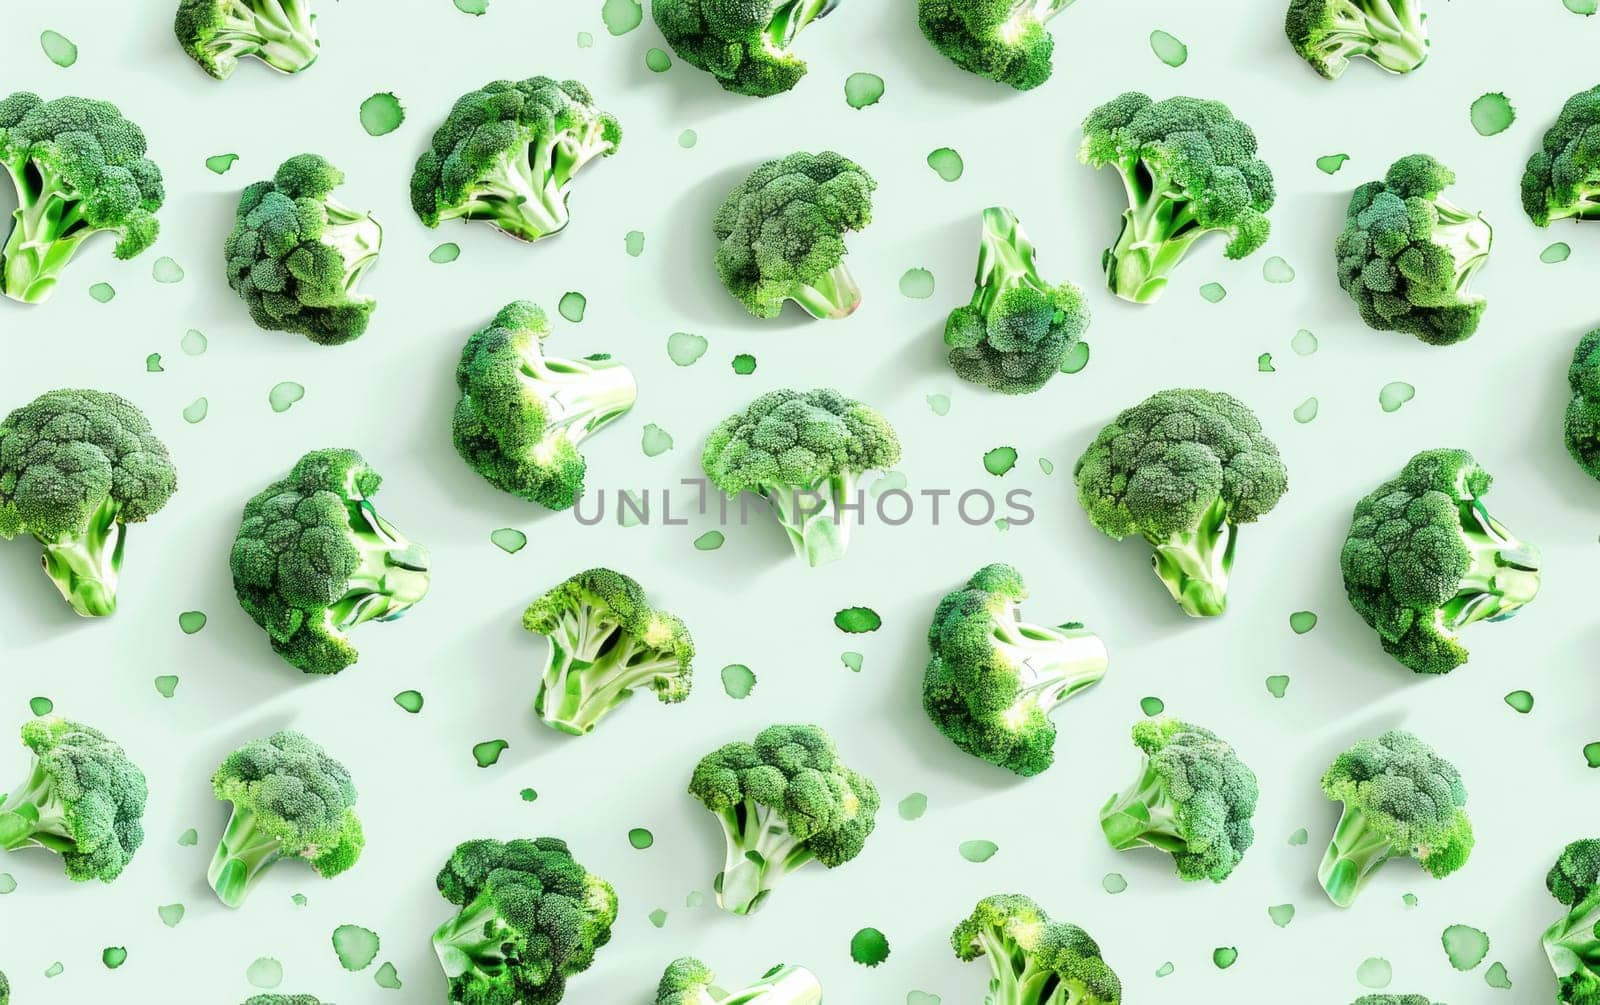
point(79, 168)
point(687, 981)
point(783, 801)
point(218, 33)
point(1581, 429)
point(1183, 468)
point(994, 679)
point(1400, 799)
point(507, 154)
point(296, 254)
point(531, 917)
point(83, 799)
point(1329, 33)
point(1562, 179)
point(1573, 943)
point(1189, 168)
point(1017, 331)
point(1407, 255)
point(1003, 40)
point(313, 559)
point(76, 468)
point(1424, 559)
point(1034, 961)
point(522, 414)
point(802, 452)
point(748, 45)
point(782, 235)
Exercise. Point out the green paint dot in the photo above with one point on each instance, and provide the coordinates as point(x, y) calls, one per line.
point(1306, 410)
point(641, 838)
point(738, 681)
point(189, 838)
point(196, 412)
point(1522, 701)
point(193, 343)
point(102, 292)
point(857, 620)
point(284, 394)
point(1278, 685)
point(1299, 837)
point(445, 253)
point(1331, 163)
point(658, 918)
point(411, 701)
point(1492, 114)
point(852, 661)
point(381, 114)
point(863, 89)
point(58, 48)
point(947, 163)
point(711, 540)
point(1301, 622)
point(1496, 976)
point(1113, 882)
point(8, 884)
point(1264, 363)
point(170, 914)
point(113, 957)
point(633, 243)
point(1168, 48)
point(477, 8)
point(298, 899)
point(529, 795)
point(265, 972)
point(869, 947)
point(657, 60)
point(1464, 946)
point(1046, 466)
point(1152, 706)
point(1002, 524)
point(1076, 358)
point(41, 706)
point(1394, 394)
point(1276, 270)
point(152, 363)
point(1585, 7)
point(1281, 914)
point(166, 685)
point(1304, 343)
point(685, 349)
point(1556, 253)
point(1409, 899)
point(916, 284)
point(220, 163)
point(1000, 460)
point(1374, 972)
point(1213, 293)
point(356, 947)
point(54, 970)
point(912, 807)
point(166, 270)
point(488, 752)
point(744, 364)
point(621, 16)
point(387, 977)
point(585, 40)
point(655, 441)
point(1165, 969)
point(1591, 753)
point(573, 305)
point(1224, 957)
point(508, 539)
point(688, 138)
point(977, 851)
point(940, 403)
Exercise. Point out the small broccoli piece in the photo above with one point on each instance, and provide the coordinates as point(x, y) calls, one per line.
point(748, 45)
point(522, 414)
point(1400, 799)
point(5, 989)
point(1004, 40)
point(1329, 33)
point(687, 981)
point(1573, 943)
point(783, 801)
point(782, 235)
point(802, 452)
point(1562, 179)
point(76, 468)
point(1394, 1000)
point(296, 254)
point(83, 799)
point(994, 679)
point(280, 1000)
point(79, 169)
point(1183, 468)
point(218, 33)
point(1035, 961)
point(1424, 559)
point(1407, 255)
point(507, 154)
point(1189, 168)
point(1582, 426)
point(531, 917)
point(313, 559)
point(1018, 329)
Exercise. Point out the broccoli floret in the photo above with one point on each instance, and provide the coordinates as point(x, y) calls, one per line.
point(1183, 468)
point(1018, 329)
point(1035, 961)
point(1407, 255)
point(1562, 179)
point(218, 33)
point(1424, 559)
point(687, 981)
point(1329, 33)
point(1573, 943)
point(782, 235)
point(83, 799)
point(5, 989)
point(783, 801)
point(994, 679)
point(76, 468)
point(1189, 168)
point(1003, 40)
point(507, 153)
point(296, 254)
point(1581, 429)
point(531, 917)
point(1194, 799)
point(522, 414)
point(79, 168)
point(606, 642)
point(746, 44)
point(802, 452)
point(313, 559)
point(1400, 799)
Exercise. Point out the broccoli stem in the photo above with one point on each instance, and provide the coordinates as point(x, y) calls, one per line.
point(1016, 979)
point(356, 236)
point(34, 816)
point(1584, 205)
point(582, 396)
point(1158, 228)
point(85, 566)
point(1466, 236)
point(1572, 944)
point(1196, 564)
point(1143, 815)
point(1353, 856)
point(1053, 664)
point(761, 850)
point(1005, 259)
point(789, 986)
point(593, 667)
point(794, 15)
point(813, 516)
point(1389, 32)
point(473, 940)
point(48, 228)
point(1503, 576)
point(392, 575)
point(524, 193)
point(243, 856)
point(832, 297)
point(280, 32)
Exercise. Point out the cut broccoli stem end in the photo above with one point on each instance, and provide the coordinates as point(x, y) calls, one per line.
point(833, 296)
point(392, 577)
point(1195, 565)
point(1467, 236)
point(814, 516)
point(47, 230)
point(1503, 576)
point(789, 986)
point(1354, 855)
point(357, 237)
point(280, 32)
point(581, 396)
point(761, 850)
point(1143, 815)
point(243, 856)
point(515, 198)
point(574, 695)
point(34, 816)
point(1157, 231)
point(1005, 259)
point(86, 566)
point(1053, 664)
point(1584, 204)
point(472, 941)
point(1572, 944)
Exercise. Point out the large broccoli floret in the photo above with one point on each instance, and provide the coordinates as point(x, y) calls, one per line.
point(522, 414)
point(1573, 943)
point(218, 33)
point(83, 799)
point(1194, 799)
point(994, 679)
point(1424, 559)
point(79, 168)
point(76, 467)
point(1562, 179)
point(1581, 429)
point(687, 981)
point(802, 452)
point(1183, 468)
point(1003, 40)
point(1189, 168)
point(1400, 799)
point(782, 232)
point(1407, 255)
point(783, 801)
point(531, 917)
point(507, 154)
point(1018, 329)
point(1034, 961)
point(313, 559)
point(296, 254)
point(1329, 33)
point(748, 45)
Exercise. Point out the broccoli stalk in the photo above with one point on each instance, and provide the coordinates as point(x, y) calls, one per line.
point(474, 940)
point(49, 227)
point(243, 856)
point(1503, 576)
point(278, 32)
point(1388, 32)
point(1143, 815)
point(833, 295)
point(582, 396)
point(1466, 236)
point(1195, 564)
point(85, 564)
point(1054, 663)
point(1354, 854)
point(1158, 227)
point(793, 15)
point(761, 850)
point(787, 986)
point(356, 236)
point(524, 191)
point(813, 516)
point(1573, 943)
point(34, 815)
point(390, 577)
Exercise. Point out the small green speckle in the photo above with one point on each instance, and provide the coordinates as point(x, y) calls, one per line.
point(1281, 914)
point(655, 441)
point(1585, 7)
point(641, 838)
point(688, 138)
point(508, 539)
point(1496, 976)
point(152, 363)
point(1464, 946)
point(744, 364)
point(529, 795)
point(1304, 343)
point(196, 412)
point(356, 947)
point(488, 752)
point(869, 947)
point(477, 8)
point(573, 305)
point(738, 681)
point(1306, 410)
point(189, 838)
point(857, 620)
point(1168, 48)
point(947, 163)
point(685, 349)
point(1276, 270)
point(916, 284)
point(1278, 685)
point(445, 253)
point(940, 403)
point(265, 972)
point(8, 883)
point(220, 163)
point(411, 701)
point(1301, 622)
point(657, 60)
point(284, 394)
point(1522, 701)
point(1394, 394)
point(1299, 837)
point(863, 89)
point(1047, 467)
point(711, 540)
point(1113, 882)
point(386, 976)
point(54, 970)
point(633, 243)
point(1492, 114)
point(621, 16)
point(1152, 706)
point(1264, 363)
point(658, 918)
point(113, 957)
point(166, 685)
point(1408, 899)
point(381, 114)
point(585, 40)
point(1076, 358)
point(41, 706)
point(1331, 163)
point(166, 270)
point(102, 292)
point(1556, 253)
point(1165, 969)
point(912, 807)
point(1591, 753)
point(193, 343)
point(1213, 293)
point(1000, 460)
point(1374, 972)
point(1224, 957)
point(852, 661)
point(977, 851)
point(58, 48)
point(170, 914)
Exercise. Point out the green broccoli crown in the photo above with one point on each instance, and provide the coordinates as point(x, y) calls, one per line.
point(218, 33)
point(1017, 331)
point(747, 45)
point(299, 796)
point(522, 414)
point(313, 559)
point(531, 917)
point(507, 154)
point(1329, 33)
point(279, 1000)
point(1407, 256)
point(790, 439)
point(1004, 40)
point(782, 234)
point(686, 981)
point(1576, 875)
point(1573, 942)
point(1581, 429)
point(83, 799)
point(1394, 1000)
point(1424, 558)
point(993, 680)
point(1035, 961)
point(1562, 179)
